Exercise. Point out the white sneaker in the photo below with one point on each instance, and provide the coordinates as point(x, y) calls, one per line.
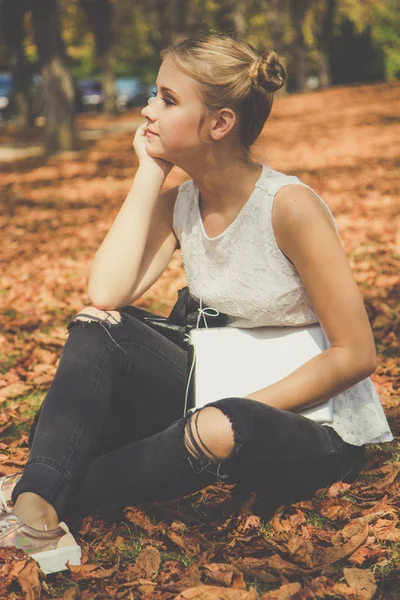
point(51, 549)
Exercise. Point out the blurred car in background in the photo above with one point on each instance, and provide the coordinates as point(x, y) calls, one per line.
point(6, 96)
point(131, 92)
point(90, 95)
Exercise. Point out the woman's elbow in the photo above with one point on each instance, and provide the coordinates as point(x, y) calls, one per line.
point(102, 299)
point(366, 364)
point(371, 365)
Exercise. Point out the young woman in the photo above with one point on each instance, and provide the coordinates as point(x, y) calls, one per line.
point(257, 245)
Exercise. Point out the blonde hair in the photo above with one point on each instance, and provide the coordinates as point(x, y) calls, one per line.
point(232, 74)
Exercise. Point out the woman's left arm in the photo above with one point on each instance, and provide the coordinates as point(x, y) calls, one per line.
point(306, 235)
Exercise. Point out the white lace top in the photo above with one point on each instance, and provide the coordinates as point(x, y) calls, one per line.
point(243, 273)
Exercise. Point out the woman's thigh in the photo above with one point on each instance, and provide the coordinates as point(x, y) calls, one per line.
point(149, 392)
point(147, 375)
point(282, 454)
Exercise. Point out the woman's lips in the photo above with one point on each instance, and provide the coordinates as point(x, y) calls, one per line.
point(150, 133)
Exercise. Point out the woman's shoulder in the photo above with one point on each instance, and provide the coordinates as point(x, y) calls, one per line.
point(272, 181)
point(293, 194)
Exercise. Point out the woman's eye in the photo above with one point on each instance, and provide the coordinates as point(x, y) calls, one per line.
point(165, 100)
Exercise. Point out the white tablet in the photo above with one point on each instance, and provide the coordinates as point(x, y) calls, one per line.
point(234, 362)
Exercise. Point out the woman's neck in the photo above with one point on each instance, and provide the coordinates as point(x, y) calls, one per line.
point(225, 186)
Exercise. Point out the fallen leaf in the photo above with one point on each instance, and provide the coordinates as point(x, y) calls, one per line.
point(331, 555)
point(224, 574)
point(365, 553)
point(337, 510)
point(28, 579)
point(14, 390)
point(140, 519)
point(285, 592)
point(361, 580)
point(189, 543)
point(72, 593)
point(301, 550)
point(148, 562)
point(81, 572)
point(386, 529)
point(210, 592)
point(337, 489)
point(256, 567)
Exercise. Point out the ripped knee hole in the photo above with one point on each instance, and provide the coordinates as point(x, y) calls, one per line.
point(209, 432)
point(91, 313)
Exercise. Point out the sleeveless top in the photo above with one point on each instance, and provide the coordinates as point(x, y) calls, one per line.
point(243, 273)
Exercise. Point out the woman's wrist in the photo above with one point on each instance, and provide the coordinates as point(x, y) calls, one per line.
point(157, 172)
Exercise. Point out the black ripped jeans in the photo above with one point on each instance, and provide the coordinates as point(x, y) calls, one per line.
point(111, 430)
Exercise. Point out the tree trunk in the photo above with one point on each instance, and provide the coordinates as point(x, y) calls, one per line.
point(223, 16)
point(325, 72)
point(57, 83)
point(168, 18)
point(100, 15)
point(324, 34)
point(298, 9)
point(239, 18)
point(275, 10)
point(12, 28)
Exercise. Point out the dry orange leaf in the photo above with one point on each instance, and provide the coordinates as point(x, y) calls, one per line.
point(331, 555)
point(80, 572)
point(148, 562)
point(285, 592)
point(224, 574)
point(362, 581)
point(210, 592)
point(28, 579)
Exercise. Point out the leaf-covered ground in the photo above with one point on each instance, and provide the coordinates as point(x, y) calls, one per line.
point(344, 542)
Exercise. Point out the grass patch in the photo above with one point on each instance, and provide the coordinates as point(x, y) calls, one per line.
point(262, 587)
point(29, 404)
point(316, 520)
point(385, 567)
point(7, 362)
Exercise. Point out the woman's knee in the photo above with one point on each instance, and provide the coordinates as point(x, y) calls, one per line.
point(91, 313)
point(209, 432)
point(96, 320)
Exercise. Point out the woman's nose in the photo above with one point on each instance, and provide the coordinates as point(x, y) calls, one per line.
point(147, 111)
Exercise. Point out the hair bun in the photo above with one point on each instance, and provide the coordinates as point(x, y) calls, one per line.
point(268, 73)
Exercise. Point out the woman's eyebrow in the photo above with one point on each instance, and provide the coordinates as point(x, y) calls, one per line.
point(166, 90)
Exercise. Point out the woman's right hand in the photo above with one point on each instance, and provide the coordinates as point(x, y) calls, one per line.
point(139, 145)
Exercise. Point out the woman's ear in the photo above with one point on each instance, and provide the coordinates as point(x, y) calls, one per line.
point(222, 124)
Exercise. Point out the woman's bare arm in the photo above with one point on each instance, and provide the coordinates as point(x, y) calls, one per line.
point(140, 242)
point(306, 235)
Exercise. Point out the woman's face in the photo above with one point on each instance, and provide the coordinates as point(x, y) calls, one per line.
point(175, 117)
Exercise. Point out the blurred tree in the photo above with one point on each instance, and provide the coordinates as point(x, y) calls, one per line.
point(277, 26)
point(165, 19)
point(355, 58)
point(324, 13)
point(100, 15)
point(299, 52)
point(58, 88)
point(239, 16)
point(12, 15)
point(276, 11)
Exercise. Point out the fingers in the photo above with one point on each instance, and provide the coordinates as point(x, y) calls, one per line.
point(140, 132)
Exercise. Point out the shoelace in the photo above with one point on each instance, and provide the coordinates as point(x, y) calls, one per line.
point(6, 524)
point(3, 502)
point(205, 312)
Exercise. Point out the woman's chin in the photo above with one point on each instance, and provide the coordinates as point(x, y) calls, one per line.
point(154, 154)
